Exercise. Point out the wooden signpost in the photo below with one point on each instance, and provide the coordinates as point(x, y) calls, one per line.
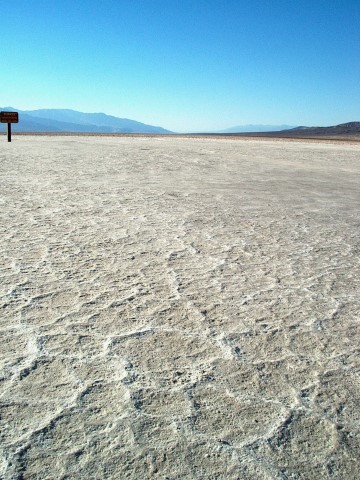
point(9, 118)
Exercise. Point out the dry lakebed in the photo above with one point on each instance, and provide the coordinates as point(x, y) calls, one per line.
point(179, 308)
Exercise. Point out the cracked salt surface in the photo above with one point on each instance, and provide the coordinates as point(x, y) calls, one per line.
point(179, 308)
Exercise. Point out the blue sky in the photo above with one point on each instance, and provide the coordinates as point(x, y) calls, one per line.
point(186, 65)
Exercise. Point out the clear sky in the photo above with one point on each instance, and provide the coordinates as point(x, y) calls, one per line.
point(186, 65)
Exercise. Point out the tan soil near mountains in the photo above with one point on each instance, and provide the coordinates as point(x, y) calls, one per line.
point(179, 308)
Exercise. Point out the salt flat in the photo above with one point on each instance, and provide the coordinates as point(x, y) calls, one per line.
point(176, 308)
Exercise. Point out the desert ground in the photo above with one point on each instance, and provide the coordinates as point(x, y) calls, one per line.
point(179, 308)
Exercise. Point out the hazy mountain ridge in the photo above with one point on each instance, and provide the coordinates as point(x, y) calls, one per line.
point(348, 129)
point(256, 128)
point(72, 121)
point(66, 120)
point(343, 130)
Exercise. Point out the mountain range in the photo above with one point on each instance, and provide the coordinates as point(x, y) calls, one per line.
point(72, 121)
point(59, 120)
point(344, 130)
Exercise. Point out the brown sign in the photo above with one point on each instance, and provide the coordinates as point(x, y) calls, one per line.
point(9, 117)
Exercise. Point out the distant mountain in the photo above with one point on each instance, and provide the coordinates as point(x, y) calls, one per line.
point(58, 120)
point(343, 130)
point(256, 128)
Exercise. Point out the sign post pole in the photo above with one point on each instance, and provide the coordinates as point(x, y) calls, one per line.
point(9, 118)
